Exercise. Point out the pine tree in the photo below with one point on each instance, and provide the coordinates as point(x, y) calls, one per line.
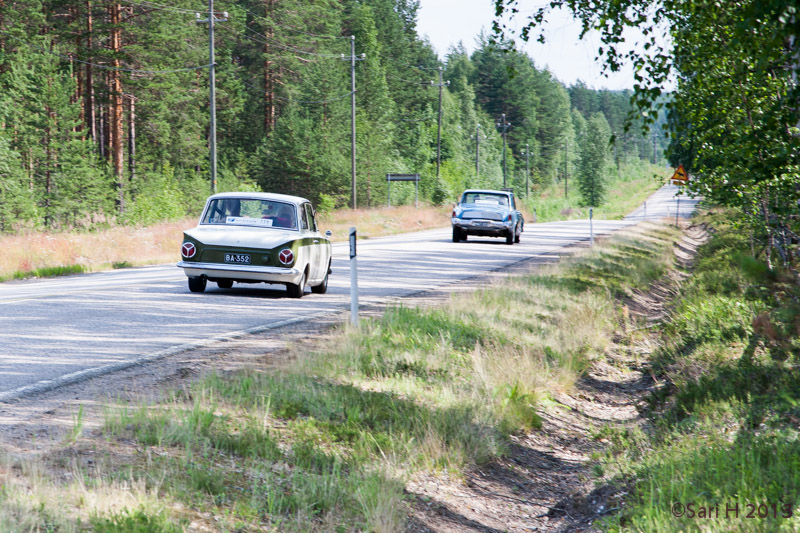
point(594, 162)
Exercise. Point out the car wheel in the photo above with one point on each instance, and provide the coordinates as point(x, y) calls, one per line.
point(457, 234)
point(296, 291)
point(322, 288)
point(510, 236)
point(225, 283)
point(197, 284)
point(518, 235)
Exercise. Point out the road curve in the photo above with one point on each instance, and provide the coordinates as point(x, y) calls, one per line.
point(59, 331)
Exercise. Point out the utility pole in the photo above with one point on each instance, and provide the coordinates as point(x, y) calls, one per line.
point(212, 136)
point(505, 125)
point(655, 158)
point(478, 153)
point(566, 165)
point(527, 154)
point(440, 85)
point(353, 60)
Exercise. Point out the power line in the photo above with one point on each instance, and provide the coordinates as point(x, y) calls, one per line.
point(285, 47)
point(277, 45)
point(289, 28)
point(144, 3)
point(329, 100)
point(408, 81)
point(105, 67)
point(294, 101)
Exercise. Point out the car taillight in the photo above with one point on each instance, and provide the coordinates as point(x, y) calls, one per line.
point(454, 213)
point(509, 218)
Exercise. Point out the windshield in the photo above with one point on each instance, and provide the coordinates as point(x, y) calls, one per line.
point(487, 199)
point(250, 212)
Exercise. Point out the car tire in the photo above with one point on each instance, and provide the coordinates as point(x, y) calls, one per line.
point(510, 236)
point(225, 283)
point(296, 291)
point(518, 235)
point(197, 284)
point(458, 235)
point(322, 288)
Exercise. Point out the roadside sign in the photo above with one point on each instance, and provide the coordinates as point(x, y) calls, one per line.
point(680, 175)
point(401, 177)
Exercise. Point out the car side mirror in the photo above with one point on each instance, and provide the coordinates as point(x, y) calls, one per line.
point(328, 234)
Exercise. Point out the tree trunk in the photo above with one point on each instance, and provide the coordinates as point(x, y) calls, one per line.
point(132, 138)
point(3, 66)
point(269, 75)
point(770, 236)
point(116, 107)
point(74, 15)
point(48, 177)
point(88, 94)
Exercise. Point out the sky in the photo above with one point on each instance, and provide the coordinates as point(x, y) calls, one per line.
point(446, 22)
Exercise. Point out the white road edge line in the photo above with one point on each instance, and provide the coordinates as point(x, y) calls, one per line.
point(89, 373)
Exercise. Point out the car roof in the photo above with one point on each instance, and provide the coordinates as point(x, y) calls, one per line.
point(260, 196)
point(489, 191)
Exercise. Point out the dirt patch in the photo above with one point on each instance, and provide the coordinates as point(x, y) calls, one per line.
point(544, 482)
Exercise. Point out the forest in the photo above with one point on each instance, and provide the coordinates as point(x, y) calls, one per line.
point(105, 109)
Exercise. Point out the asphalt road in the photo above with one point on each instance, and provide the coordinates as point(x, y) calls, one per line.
point(58, 331)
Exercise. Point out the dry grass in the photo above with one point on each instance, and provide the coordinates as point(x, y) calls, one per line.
point(33, 497)
point(100, 250)
point(130, 246)
point(384, 221)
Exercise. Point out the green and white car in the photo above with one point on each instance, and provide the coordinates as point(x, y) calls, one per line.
point(255, 238)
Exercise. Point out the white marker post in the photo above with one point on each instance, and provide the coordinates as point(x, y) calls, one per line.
point(645, 210)
point(353, 279)
point(591, 229)
point(677, 211)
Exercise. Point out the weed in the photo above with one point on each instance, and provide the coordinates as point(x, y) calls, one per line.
point(77, 426)
point(134, 521)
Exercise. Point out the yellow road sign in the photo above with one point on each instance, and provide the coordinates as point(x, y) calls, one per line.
point(680, 175)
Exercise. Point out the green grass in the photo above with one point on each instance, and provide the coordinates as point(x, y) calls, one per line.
point(726, 430)
point(47, 272)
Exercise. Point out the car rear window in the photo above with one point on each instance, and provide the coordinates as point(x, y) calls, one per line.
point(251, 212)
point(485, 199)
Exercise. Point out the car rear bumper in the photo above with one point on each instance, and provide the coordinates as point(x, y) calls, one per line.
point(241, 272)
point(482, 227)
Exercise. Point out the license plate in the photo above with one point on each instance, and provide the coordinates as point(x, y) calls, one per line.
point(480, 223)
point(238, 258)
